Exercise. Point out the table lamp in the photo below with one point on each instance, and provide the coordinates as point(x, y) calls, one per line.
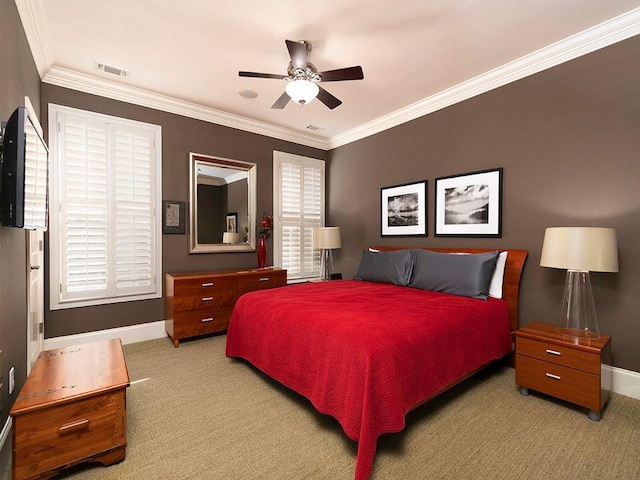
point(579, 250)
point(326, 239)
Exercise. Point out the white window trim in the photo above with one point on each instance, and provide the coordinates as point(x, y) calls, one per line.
point(56, 303)
point(278, 159)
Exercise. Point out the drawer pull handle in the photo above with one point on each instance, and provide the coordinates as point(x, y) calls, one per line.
point(265, 279)
point(72, 427)
point(207, 299)
point(208, 284)
point(554, 352)
point(551, 375)
point(205, 320)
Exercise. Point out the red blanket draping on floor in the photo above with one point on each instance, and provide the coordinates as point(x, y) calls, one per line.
point(364, 352)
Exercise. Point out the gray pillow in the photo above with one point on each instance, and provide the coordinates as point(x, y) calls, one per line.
point(386, 267)
point(466, 275)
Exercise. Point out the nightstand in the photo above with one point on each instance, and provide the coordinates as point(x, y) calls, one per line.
point(564, 367)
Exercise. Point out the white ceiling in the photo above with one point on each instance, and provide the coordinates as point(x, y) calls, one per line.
point(417, 55)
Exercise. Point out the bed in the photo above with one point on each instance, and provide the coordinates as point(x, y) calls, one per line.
point(368, 350)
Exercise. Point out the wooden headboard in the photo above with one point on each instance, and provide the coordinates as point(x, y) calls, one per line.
point(512, 272)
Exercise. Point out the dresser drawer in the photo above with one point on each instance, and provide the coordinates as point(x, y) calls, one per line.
point(205, 292)
point(200, 322)
point(568, 384)
point(50, 438)
point(565, 356)
point(262, 280)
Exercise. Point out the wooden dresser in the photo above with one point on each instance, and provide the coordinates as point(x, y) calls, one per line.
point(564, 367)
point(197, 303)
point(71, 409)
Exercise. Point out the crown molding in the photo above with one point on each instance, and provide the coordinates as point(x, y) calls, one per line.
point(37, 32)
point(607, 33)
point(63, 77)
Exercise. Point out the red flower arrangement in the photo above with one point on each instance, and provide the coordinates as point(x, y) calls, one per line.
point(264, 227)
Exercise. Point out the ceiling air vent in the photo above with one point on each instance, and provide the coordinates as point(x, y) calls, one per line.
point(313, 127)
point(112, 70)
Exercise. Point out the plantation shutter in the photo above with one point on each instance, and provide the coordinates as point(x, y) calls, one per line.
point(84, 212)
point(290, 215)
point(107, 233)
point(35, 180)
point(299, 200)
point(133, 211)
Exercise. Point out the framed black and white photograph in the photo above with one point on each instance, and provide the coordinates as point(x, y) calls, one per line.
point(403, 210)
point(173, 217)
point(232, 222)
point(469, 205)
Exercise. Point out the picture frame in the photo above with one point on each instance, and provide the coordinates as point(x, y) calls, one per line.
point(232, 222)
point(173, 217)
point(469, 205)
point(403, 210)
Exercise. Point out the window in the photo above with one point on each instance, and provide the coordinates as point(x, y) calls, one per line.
point(105, 224)
point(299, 208)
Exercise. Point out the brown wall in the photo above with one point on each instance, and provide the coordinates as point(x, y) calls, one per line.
point(567, 138)
point(18, 78)
point(180, 135)
point(569, 141)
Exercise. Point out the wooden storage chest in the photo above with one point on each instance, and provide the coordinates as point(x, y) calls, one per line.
point(71, 409)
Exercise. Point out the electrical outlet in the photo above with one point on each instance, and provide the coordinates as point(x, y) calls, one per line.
point(12, 379)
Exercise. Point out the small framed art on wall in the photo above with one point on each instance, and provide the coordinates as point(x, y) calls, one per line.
point(403, 210)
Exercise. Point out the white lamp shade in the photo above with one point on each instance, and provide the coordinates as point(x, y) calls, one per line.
point(230, 237)
point(302, 91)
point(326, 238)
point(580, 248)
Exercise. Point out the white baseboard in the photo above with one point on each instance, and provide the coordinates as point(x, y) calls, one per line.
point(624, 382)
point(132, 334)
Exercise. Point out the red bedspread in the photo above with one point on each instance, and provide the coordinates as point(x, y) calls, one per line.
point(364, 352)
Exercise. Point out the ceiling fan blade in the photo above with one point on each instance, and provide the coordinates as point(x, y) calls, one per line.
point(261, 75)
point(328, 99)
point(282, 101)
point(298, 54)
point(351, 73)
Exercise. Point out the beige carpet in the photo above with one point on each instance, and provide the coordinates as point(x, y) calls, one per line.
point(194, 414)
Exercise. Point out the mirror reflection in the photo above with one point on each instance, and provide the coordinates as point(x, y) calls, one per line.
point(222, 204)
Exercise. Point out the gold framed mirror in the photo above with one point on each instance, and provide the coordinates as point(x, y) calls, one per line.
point(222, 207)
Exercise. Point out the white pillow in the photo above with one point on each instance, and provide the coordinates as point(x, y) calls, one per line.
point(495, 286)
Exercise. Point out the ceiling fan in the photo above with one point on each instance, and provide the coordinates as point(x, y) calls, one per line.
point(303, 78)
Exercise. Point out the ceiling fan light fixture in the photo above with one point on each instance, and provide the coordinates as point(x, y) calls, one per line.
point(302, 91)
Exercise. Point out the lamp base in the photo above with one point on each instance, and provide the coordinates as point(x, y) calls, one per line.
point(577, 333)
point(578, 314)
point(326, 264)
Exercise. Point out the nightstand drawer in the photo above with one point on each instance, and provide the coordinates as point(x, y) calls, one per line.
point(560, 355)
point(561, 382)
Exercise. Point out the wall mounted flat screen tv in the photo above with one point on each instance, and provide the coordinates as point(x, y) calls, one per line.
point(24, 167)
